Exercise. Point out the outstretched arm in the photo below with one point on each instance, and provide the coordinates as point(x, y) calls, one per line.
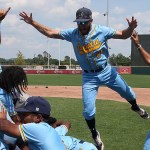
point(3, 13)
point(51, 33)
point(143, 52)
point(126, 33)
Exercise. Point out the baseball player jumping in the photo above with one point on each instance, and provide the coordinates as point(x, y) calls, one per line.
point(90, 46)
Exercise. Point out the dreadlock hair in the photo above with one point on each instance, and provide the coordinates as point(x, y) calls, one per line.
point(12, 79)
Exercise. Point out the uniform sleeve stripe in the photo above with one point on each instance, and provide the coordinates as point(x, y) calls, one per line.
point(22, 133)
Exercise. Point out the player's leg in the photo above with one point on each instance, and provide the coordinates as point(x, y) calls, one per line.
point(89, 93)
point(118, 84)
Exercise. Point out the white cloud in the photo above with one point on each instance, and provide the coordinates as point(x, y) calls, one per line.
point(17, 34)
point(118, 10)
point(119, 26)
point(15, 4)
point(142, 17)
point(95, 14)
point(10, 41)
point(11, 20)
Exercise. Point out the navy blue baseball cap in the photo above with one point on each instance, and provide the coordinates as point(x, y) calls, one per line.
point(35, 104)
point(83, 14)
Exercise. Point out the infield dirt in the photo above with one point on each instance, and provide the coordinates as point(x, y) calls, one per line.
point(143, 94)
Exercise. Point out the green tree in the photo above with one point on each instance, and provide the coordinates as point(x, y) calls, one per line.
point(122, 60)
point(66, 60)
point(20, 60)
point(119, 60)
point(54, 61)
point(113, 60)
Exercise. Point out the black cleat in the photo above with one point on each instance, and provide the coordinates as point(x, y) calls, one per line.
point(141, 112)
point(98, 142)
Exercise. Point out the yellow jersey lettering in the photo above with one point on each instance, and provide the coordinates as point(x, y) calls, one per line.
point(93, 45)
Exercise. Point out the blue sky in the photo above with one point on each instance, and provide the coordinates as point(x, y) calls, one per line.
point(19, 36)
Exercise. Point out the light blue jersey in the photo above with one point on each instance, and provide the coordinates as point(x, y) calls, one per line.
point(41, 136)
point(6, 102)
point(73, 143)
point(91, 50)
point(3, 145)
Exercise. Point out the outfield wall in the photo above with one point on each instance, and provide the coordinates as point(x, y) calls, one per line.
point(53, 71)
point(121, 70)
point(145, 70)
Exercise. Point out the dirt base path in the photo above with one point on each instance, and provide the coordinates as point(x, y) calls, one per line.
point(143, 94)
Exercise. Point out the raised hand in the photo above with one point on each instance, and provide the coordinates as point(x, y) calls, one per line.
point(3, 13)
point(135, 38)
point(133, 23)
point(25, 17)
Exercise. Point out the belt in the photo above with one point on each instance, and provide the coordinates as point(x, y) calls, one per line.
point(97, 70)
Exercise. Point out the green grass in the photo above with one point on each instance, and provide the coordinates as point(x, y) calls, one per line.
point(120, 128)
point(54, 80)
point(140, 81)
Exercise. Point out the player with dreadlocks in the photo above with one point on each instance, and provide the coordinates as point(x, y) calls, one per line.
point(13, 80)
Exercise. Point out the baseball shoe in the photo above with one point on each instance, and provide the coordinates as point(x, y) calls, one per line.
point(141, 112)
point(98, 142)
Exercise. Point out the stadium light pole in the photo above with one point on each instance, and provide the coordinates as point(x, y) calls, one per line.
point(48, 55)
point(70, 55)
point(107, 14)
point(59, 52)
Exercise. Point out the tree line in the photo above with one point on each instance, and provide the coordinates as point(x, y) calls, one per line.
point(115, 60)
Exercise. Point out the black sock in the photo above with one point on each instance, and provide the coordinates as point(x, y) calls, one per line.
point(134, 105)
point(91, 125)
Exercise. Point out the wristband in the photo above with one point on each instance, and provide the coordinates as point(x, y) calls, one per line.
point(139, 46)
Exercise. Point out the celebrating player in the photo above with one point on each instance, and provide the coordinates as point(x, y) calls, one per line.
point(34, 131)
point(143, 52)
point(90, 46)
point(62, 128)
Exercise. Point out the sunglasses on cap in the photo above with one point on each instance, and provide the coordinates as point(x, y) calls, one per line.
point(82, 22)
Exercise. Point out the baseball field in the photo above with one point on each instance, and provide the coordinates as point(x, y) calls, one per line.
point(120, 128)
